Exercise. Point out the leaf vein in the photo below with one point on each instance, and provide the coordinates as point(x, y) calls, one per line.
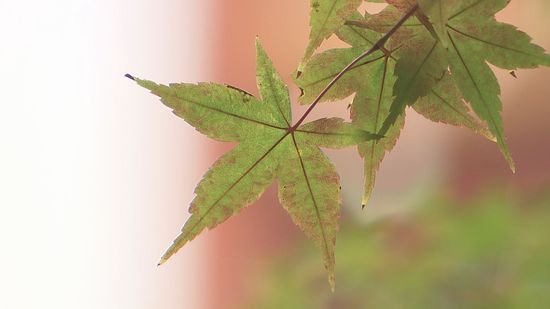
point(237, 182)
point(491, 118)
point(490, 43)
point(324, 22)
point(226, 112)
point(325, 245)
point(277, 100)
point(333, 75)
point(465, 9)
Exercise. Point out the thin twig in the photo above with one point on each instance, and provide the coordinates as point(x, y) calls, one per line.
point(377, 46)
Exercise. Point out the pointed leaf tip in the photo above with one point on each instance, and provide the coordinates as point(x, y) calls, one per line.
point(366, 197)
point(176, 245)
point(512, 166)
point(331, 282)
point(129, 76)
point(258, 42)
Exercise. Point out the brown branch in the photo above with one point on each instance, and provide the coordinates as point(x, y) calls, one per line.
point(377, 46)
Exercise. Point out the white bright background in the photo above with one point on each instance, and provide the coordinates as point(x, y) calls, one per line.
point(91, 181)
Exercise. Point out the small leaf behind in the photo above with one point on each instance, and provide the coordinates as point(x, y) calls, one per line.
point(325, 18)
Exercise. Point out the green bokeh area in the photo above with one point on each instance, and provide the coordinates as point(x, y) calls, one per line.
point(489, 252)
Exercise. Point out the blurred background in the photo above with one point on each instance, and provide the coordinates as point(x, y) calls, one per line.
point(96, 175)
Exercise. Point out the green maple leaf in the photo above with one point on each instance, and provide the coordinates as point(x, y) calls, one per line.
point(444, 104)
point(473, 37)
point(270, 148)
point(326, 17)
point(421, 64)
point(374, 82)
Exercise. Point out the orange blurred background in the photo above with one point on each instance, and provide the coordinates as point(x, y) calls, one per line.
point(97, 175)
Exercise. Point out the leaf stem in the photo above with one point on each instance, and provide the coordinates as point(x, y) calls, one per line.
point(377, 46)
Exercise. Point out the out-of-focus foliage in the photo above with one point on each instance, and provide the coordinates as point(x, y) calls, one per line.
point(493, 252)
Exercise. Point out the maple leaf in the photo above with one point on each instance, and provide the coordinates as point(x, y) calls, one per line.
point(460, 36)
point(326, 17)
point(444, 104)
point(270, 148)
point(374, 82)
point(420, 65)
point(473, 37)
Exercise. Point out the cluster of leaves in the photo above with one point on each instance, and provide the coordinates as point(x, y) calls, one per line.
point(483, 253)
point(431, 55)
point(436, 63)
